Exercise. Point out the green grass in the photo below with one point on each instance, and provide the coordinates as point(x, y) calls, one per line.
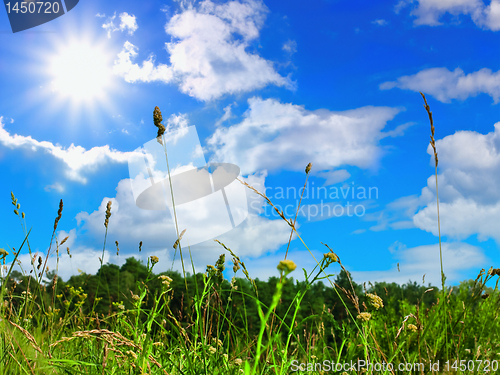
point(130, 320)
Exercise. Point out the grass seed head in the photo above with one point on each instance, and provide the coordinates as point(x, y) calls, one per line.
point(157, 118)
point(108, 214)
point(308, 168)
point(236, 266)
point(59, 214)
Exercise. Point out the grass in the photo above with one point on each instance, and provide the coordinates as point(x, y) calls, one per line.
point(57, 328)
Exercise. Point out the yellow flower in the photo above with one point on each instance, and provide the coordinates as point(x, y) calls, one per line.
point(364, 316)
point(375, 300)
point(412, 327)
point(287, 265)
point(331, 256)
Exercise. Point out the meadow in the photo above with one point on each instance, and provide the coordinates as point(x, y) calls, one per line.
point(130, 320)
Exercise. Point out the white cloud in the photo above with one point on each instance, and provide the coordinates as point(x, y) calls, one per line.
point(469, 200)
point(428, 12)
point(290, 46)
point(76, 159)
point(127, 22)
point(56, 186)
point(132, 72)
point(129, 225)
point(396, 215)
point(276, 136)
point(469, 174)
point(445, 85)
point(100, 15)
point(208, 54)
point(380, 22)
point(333, 177)
point(417, 261)
point(227, 115)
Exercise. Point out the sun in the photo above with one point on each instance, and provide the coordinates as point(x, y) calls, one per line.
point(81, 72)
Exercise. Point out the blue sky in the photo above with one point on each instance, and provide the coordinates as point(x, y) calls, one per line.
point(269, 86)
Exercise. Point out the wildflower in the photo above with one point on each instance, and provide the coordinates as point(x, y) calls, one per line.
point(331, 256)
point(287, 265)
point(135, 297)
point(121, 307)
point(238, 361)
point(210, 269)
point(154, 259)
point(212, 349)
point(233, 284)
point(412, 327)
point(364, 316)
point(165, 280)
point(375, 300)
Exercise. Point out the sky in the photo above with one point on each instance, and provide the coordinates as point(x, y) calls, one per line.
point(263, 89)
